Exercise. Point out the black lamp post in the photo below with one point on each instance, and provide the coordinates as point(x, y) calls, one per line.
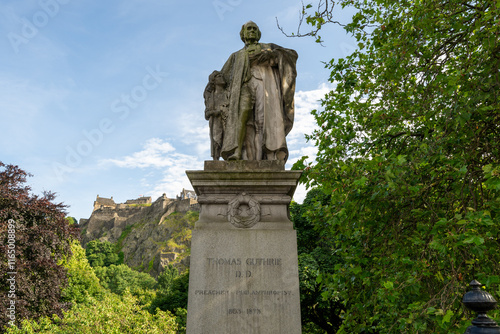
point(480, 301)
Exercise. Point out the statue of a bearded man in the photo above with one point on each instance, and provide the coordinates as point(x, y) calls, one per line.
point(260, 86)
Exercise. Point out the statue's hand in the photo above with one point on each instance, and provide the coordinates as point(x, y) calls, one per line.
point(211, 112)
point(265, 56)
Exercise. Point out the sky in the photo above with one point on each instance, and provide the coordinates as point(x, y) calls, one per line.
point(106, 97)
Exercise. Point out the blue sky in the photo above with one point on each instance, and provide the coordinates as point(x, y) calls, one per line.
point(106, 97)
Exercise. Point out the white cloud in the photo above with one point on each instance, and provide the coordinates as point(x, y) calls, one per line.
point(156, 153)
point(197, 136)
point(300, 193)
point(173, 181)
point(305, 102)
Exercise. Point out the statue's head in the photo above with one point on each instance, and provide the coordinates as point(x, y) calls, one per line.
point(212, 76)
point(250, 32)
point(216, 78)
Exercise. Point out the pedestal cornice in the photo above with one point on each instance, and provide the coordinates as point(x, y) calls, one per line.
point(254, 187)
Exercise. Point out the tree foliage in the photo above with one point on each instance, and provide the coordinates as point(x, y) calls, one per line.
point(109, 314)
point(82, 281)
point(101, 253)
point(408, 148)
point(34, 236)
point(172, 295)
point(120, 278)
point(318, 315)
point(166, 279)
point(56, 290)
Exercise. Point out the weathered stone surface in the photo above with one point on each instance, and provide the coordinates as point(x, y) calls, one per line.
point(244, 281)
point(250, 101)
point(262, 181)
point(243, 266)
point(245, 165)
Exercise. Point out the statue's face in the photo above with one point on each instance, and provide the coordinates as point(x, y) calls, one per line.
point(251, 32)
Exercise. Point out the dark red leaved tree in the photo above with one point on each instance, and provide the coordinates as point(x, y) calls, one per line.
point(34, 236)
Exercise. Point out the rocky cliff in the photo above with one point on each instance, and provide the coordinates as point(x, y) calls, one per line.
point(151, 235)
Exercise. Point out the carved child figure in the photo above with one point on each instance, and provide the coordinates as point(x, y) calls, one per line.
point(216, 106)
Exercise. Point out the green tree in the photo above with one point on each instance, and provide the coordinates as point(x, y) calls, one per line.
point(173, 297)
point(34, 237)
point(82, 281)
point(166, 279)
point(120, 278)
point(318, 315)
point(101, 253)
point(108, 314)
point(408, 148)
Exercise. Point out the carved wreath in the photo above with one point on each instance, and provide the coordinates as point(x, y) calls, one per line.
point(243, 211)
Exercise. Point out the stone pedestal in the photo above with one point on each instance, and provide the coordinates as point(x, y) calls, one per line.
point(243, 269)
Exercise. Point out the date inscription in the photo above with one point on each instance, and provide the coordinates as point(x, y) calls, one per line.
point(248, 311)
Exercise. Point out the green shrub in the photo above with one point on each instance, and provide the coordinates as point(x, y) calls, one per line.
point(82, 281)
point(119, 278)
point(101, 253)
point(111, 314)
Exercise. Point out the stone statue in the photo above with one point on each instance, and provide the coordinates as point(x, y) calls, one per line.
point(258, 104)
point(215, 97)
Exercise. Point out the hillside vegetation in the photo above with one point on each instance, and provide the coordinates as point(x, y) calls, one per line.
point(53, 285)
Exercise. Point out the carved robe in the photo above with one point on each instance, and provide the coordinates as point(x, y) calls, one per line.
point(273, 98)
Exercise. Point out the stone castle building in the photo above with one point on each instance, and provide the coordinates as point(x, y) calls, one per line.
point(185, 194)
point(109, 219)
point(139, 225)
point(102, 202)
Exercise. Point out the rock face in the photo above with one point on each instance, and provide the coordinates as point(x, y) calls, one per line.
point(151, 235)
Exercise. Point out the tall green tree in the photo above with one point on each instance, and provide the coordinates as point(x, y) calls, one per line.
point(167, 278)
point(101, 253)
point(172, 296)
point(34, 237)
point(120, 278)
point(409, 150)
point(316, 256)
point(82, 281)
